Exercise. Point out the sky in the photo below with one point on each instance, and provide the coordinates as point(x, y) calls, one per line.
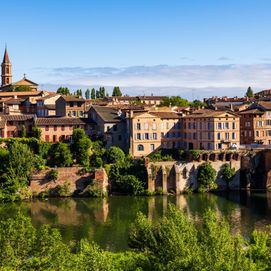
point(192, 48)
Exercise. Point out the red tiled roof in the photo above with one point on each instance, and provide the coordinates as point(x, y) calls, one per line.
point(62, 121)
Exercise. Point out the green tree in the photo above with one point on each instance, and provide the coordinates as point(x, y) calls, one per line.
point(250, 92)
point(81, 146)
point(20, 161)
point(61, 155)
point(102, 92)
point(206, 177)
point(63, 91)
point(23, 132)
point(227, 174)
point(115, 155)
point(78, 92)
point(98, 94)
point(36, 132)
point(174, 101)
point(21, 88)
point(93, 94)
point(197, 103)
point(87, 94)
point(116, 91)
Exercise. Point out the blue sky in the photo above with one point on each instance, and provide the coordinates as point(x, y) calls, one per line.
point(192, 48)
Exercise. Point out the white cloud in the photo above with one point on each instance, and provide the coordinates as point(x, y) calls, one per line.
point(206, 80)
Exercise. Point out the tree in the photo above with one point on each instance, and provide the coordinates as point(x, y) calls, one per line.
point(78, 92)
point(87, 94)
point(21, 88)
point(81, 147)
point(227, 174)
point(93, 94)
point(249, 92)
point(61, 155)
point(63, 91)
point(116, 91)
point(97, 94)
point(115, 155)
point(102, 92)
point(20, 161)
point(174, 101)
point(206, 177)
point(36, 132)
point(197, 103)
point(23, 132)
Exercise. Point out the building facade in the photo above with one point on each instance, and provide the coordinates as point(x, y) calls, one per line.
point(211, 130)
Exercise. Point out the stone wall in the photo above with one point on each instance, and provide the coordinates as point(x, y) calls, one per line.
point(178, 176)
point(75, 176)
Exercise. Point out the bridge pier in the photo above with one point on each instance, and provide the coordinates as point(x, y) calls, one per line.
point(164, 179)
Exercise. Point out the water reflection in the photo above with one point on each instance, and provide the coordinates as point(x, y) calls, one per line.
point(107, 221)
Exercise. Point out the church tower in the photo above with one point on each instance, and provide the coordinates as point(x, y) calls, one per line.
point(6, 70)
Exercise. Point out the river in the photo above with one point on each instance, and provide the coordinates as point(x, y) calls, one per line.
point(106, 221)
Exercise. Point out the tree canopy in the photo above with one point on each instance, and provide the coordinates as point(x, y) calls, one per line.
point(63, 91)
point(250, 92)
point(116, 91)
point(174, 101)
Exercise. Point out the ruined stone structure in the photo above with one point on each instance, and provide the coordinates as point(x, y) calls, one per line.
point(176, 177)
point(75, 176)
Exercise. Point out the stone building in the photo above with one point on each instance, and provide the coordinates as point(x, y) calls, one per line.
point(211, 130)
point(151, 130)
point(110, 124)
point(255, 124)
point(70, 106)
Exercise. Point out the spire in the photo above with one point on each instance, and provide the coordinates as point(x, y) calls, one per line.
point(6, 58)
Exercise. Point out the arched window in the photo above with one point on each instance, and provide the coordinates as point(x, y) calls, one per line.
point(140, 147)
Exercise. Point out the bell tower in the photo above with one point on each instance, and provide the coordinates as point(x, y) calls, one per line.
point(6, 70)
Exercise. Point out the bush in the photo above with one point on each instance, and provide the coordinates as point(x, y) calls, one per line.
point(206, 177)
point(60, 155)
point(195, 154)
point(227, 173)
point(64, 190)
point(115, 155)
point(94, 190)
point(52, 175)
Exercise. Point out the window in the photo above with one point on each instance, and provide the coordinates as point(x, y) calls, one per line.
point(209, 136)
point(147, 136)
point(138, 136)
point(140, 147)
point(62, 128)
point(219, 125)
point(54, 138)
point(226, 125)
point(209, 125)
point(268, 122)
point(227, 136)
point(47, 138)
point(152, 147)
point(154, 135)
point(233, 125)
point(115, 128)
point(46, 128)
point(233, 135)
point(146, 126)
point(218, 136)
point(162, 135)
point(257, 133)
point(119, 137)
point(55, 128)
point(74, 113)
point(154, 126)
point(138, 126)
point(162, 125)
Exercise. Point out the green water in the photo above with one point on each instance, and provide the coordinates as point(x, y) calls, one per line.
point(106, 221)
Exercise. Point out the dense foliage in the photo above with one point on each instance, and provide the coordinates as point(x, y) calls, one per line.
point(175, 242)
point(206, 176)
point(227, 173)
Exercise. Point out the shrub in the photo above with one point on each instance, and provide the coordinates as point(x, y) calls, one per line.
point(227, 173)
point(61, 155)
point(115, 155)
point(52, 175)
point(64, 190)
point(94, 190)
point(195, 154)
point(206, 177)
